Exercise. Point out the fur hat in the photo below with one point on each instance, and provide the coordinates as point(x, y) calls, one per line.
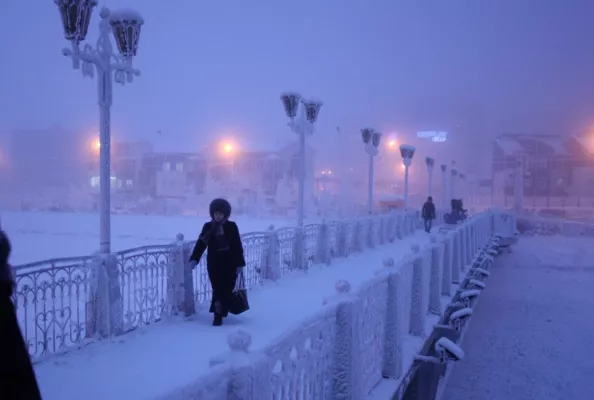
point(220, 205)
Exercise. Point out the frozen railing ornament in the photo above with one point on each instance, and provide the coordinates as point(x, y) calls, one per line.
point(239, 340)
point(467, 296)
point(480, 273)
point(475, 284)
point(448, 350)
point(291, 102)
point(458, 318)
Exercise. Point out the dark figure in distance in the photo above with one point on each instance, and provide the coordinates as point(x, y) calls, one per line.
point(17, 378)
point(428, 213)
point(224, 258)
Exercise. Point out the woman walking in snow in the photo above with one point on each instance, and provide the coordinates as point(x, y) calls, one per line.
point(225, 258)
point(17, 378)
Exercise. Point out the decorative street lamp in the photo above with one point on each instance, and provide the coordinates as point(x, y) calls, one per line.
point(444, 179)
point(462, 192)
point(125, 25)
point(302, 125)
point(407, 152)
point(429, 162)
point(371, 139)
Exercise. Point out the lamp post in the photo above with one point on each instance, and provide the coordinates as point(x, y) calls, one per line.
point(302, 125)
point(407, 152)
point(429, 162)
point(444, 187)
point(462, 192)
point(125, 26)
point(371, 139)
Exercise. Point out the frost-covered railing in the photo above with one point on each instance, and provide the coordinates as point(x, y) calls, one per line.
point(62, 302)
point(357, 337)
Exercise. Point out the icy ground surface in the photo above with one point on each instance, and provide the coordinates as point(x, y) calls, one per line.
point(155, 360)
point(38, 236)
point(532, 335)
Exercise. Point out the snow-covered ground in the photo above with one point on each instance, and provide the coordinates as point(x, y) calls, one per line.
point(37, 236)
point(532, 335)
point(157, 359)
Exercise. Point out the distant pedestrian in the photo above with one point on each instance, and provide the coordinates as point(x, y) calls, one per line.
point(428, 213)
point(225, 259)
point(17, 378)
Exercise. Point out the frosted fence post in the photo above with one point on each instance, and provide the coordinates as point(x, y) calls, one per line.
point(299, 256)
point(356, 237)
point(347, 377)
point(393, 363)
point(115, 305)
point(342, 245)
point(322, 253)
point(392, 228)
point(369, 236)
point(418, 307)
point(399, 227)
point(189, 302)
point(463, 247)
point(97, 313)
point(436, 276)
point(175, 277)
point(455, 256)
point(271, 256)
point(446, 282)
point(247, 382)
point(381, 230)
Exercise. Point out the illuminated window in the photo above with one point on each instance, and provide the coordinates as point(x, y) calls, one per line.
point(179, 167)
point(166, 166)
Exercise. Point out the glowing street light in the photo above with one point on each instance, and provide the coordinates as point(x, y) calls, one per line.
point(227, 148)
point(125, 27)
point(371, 139)
point(392, 145)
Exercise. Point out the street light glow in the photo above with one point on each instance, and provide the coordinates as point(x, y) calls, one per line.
point(392, 144)
point(228, 148)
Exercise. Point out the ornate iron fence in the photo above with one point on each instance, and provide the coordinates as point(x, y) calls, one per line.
point(143, 284)
point(57, 303)
point(52, 299)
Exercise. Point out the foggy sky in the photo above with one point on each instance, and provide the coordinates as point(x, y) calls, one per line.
point(212, 68)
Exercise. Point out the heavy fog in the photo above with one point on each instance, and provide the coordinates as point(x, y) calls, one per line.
point(475, 85)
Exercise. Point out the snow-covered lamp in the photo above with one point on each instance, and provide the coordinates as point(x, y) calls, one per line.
point(126, 26)
point(371, 140)
point(290, 102)
point(429, 162)
point(312, 109)
point(407, 152)
point(75, 16)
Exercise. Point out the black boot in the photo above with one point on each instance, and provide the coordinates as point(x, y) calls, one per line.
point(218, 320)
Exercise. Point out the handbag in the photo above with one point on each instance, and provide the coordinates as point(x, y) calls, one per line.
point(239, 300)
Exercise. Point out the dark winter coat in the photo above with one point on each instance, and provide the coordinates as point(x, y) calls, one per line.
point(234, 255)
point(428, 211)
point(17, 378)
point(225, 255)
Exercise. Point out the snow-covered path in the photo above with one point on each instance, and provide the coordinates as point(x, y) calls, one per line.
point(157, 359)
point(532, 335)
